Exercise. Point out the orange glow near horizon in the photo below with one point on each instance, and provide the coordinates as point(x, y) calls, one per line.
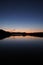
point(24, 30)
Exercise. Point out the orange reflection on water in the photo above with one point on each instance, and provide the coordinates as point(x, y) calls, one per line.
point(24, 37)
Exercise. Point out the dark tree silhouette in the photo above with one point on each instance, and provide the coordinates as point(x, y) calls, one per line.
point(5, 34)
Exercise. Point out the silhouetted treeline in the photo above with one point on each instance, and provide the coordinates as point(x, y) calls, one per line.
point(4, 34)
point(36, 34)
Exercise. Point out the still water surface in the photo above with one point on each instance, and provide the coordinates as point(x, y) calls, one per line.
point(20, 42)
point(18, 46)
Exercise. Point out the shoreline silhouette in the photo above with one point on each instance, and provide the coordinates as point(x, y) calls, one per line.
point(5, 34)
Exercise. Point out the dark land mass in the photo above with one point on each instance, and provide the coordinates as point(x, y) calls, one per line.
point(5, 34)
point(37, 34)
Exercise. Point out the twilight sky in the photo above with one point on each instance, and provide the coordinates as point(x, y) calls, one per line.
point(21, 15)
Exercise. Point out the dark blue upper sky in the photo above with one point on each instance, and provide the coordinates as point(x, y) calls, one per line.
point(21, 14)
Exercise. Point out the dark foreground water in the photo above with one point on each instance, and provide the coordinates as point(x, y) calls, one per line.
point(20, 49)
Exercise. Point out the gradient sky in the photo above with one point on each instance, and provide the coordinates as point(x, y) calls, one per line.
point(21, 15)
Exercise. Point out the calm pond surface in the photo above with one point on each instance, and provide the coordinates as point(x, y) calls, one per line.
point(21, 42)
point(21, 47)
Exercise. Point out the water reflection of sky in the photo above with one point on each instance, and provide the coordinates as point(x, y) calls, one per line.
point(22, 44)
point(22, 39)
